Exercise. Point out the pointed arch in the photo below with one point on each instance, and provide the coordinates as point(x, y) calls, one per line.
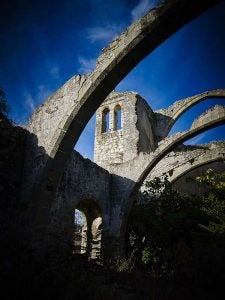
point(173, 113)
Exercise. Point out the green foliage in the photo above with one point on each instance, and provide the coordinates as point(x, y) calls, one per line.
point(213, 200)
point(181, 240)
point(4, 108)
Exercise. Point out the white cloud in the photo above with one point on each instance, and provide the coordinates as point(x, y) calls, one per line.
point(196, 139)
point(142, 8)
point(42, 94)
point(86, 65)
point(29, 102)
point(103, 34)
point(32, 101)
point(54, 72)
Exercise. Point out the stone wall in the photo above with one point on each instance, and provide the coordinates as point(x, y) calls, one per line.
point(145, 126)
point(83, 179)
point(84, 186)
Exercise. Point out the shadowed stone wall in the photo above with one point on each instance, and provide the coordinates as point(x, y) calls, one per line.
point(83, 182)
point(12, 148)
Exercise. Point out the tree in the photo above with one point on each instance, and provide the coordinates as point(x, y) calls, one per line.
point(180, 241)
point(213, 200)
point(4, 108)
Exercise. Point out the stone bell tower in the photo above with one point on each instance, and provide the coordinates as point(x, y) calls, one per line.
point(123, 129)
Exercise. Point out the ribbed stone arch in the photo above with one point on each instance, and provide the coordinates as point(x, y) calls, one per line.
point(178, 108)
point(139, 168)
point(205, 159)
point(66, 113)
point(185, 157)
point(210, 119)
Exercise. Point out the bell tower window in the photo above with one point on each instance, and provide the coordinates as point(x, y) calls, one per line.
point(117, 117)
point(105, 120)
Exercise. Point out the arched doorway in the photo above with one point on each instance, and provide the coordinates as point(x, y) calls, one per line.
point(80, 232)
point(87, 229)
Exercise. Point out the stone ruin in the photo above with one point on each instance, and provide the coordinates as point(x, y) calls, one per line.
point(131, 145)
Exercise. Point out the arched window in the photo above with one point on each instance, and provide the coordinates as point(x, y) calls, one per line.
point(105, 120)
point(117, 118)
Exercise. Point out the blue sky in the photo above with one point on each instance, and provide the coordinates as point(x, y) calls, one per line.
point(44, 43)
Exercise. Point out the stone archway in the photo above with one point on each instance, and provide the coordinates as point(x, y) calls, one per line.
point(91, 231)
point(80, 232)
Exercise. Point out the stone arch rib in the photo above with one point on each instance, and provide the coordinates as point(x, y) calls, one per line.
point(210, 119)
point(180, 161)
point(145, 162)
point(178, 108)
point(220, 157)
